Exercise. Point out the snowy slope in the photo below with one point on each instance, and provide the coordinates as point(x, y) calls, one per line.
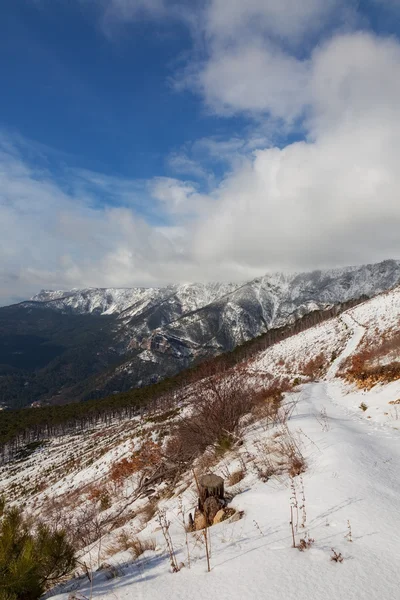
point(351, 483)
point(351, 490)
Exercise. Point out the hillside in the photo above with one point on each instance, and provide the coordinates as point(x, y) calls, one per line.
point(313, 433)
point(87, 344)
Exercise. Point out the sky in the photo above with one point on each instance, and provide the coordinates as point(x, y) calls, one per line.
point(149, 142)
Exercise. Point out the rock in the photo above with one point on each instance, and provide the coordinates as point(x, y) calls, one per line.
point(211, 506)
point(224, 514)
point(236, 517)
point(220, 516)
point(199, 520)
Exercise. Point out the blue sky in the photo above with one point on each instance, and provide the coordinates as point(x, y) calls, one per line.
point(144, 142)
point(100, 93)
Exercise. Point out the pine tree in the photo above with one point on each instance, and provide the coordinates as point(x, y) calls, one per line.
point(31, 557)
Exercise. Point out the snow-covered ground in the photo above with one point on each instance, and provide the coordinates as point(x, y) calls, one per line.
point(347, 498)
point(351, 491)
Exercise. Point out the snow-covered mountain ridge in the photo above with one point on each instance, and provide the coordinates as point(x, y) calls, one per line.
point(330, 285)
point(185, 319)
point(147, 334)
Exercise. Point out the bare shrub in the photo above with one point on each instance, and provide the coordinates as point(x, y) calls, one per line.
point(207, 460)
point(220, 405)
point(314, 368)
point(165, 525)
point(288, 448)
point(305, 543)
point(365, 368)
point(267, 464)
point(336, 556)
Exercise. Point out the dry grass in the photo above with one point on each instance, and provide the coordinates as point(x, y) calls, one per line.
point(131, 543)
point(281, 454)
point(288, 448)
point(147, 512)
point(138, 547)
point(236, 477)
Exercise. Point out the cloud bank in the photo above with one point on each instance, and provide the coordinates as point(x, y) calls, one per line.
point(328, 199)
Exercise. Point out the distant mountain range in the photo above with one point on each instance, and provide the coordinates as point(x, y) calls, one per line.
point(73, 345)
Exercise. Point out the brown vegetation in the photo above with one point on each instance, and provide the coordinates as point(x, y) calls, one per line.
point(217, 418)
point(148, 456)
point(131, 543)
point(365, 368)
point(314, 368)
point(236, 477)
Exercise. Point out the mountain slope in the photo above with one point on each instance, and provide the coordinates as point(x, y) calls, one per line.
point(122, 338)
point(342, 499)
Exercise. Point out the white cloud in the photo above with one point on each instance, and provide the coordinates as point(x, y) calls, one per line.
point(355, 80)
point(288, 19)
point(54, 238)
point(329, 200)
point(255, 78)
point(176, 196)
point(333, 200)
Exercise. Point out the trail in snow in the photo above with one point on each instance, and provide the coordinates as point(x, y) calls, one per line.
point(352, 476)
point(358, 334)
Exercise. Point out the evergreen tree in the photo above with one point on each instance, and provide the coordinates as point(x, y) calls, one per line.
point(31, 557)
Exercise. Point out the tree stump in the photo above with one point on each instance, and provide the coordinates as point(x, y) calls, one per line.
point(210, 486)
point(211, 506)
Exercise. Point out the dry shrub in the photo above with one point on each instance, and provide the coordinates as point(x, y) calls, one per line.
point(207, 460)
point(123, 518)
point(297, 465)
point(314, 367)
point(367, 376)
point(148, 456)
point(365, 368)
point(336, 556)
point(218, 414)
point(236, 476)
point(268, 401)
point(220, 405)
point(100, 493)
point(305, 543)
point(136, 546)
point(268, 462)
point(288, 448)
point(267, 470)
